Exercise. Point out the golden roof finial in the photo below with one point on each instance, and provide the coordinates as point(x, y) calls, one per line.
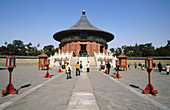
point(84, 12)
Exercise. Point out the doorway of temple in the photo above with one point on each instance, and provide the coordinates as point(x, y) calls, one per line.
point(83, 49)
point(101, 49)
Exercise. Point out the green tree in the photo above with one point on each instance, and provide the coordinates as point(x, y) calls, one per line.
point(12, 49)
point(3, 50)
point(128, 51)
point(112, 51)
point(6, 43)
point(148, 50)
point(118, 51)
point(49, 50)
point(18, 43)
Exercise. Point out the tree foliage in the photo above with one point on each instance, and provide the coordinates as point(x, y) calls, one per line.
point(17, 47)
point(142, 50)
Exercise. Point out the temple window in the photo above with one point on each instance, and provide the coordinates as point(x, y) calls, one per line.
point(83, 36)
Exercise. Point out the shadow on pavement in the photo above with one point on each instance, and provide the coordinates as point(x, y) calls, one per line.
point(24, 86)
point(134, 86)
point(3, 68)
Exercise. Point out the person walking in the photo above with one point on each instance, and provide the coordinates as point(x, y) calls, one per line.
point(81, 66)
point(108, 67)
point(69, 69)
point(159, 67)
point(77, 69)
point(88, 66)
point(65, 67)
point(135, 65)
point(167, 69)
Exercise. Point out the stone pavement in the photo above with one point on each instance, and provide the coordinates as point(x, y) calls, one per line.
point(89, 91)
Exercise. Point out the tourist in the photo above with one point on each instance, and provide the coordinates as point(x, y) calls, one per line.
point(80, 53)
point(65, 67)
point(81, 66)
point(139, 65)
point(143, 66)
point(108, 67)
point(167, 69)
point(87, 53)
point(135, 65)
point(69, 69)
point(88, 66)
point(159, 67)
point(77, 68)
point(129, 65)
point(74, 53)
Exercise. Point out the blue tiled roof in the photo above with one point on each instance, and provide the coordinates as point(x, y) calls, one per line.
point(83, 25)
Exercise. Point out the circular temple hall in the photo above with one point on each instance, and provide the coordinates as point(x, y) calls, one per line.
point(83, 37)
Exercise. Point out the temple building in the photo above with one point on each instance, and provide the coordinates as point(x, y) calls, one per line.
point(83, 37)
point(83, 42)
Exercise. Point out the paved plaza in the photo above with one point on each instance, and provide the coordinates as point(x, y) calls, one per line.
point(89, 91)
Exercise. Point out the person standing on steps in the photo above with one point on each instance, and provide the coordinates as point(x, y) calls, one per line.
point(88, 66)
point(77, 69)
point(69, 69)
point(108, 67)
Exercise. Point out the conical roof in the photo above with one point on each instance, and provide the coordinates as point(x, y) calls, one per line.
point(43, 55)
point(83, 25)
point(122, 56)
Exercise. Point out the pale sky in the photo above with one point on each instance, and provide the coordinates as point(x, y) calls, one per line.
point(130, 21)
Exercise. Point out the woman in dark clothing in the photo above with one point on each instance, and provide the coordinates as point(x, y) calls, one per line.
point(108, 67)
point(160, 67)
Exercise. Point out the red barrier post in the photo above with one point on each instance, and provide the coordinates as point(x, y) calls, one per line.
point(47, 63)
point(117, 66)
point(10, 64)
point(149, 88)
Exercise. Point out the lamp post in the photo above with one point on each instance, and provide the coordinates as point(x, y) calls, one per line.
point(10, 64)
point(149, 88)
point(47, 63)
point(117, 66)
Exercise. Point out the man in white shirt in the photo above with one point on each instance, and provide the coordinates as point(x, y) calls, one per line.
point(88, 66)
point(69, 69)
point(167, 69)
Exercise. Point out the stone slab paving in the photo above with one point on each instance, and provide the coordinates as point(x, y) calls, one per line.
point(53, 95)
point(82, 97)
point(117, 94)
point(138, 80)
point(25, 76)
point(89, 91)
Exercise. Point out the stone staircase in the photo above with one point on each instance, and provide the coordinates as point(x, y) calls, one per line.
point(84, 60)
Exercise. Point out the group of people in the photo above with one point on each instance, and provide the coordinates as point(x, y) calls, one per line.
point(79, 66)
point(167, 68)
point(142, 66)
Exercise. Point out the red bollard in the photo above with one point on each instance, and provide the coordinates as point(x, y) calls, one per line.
point(117, 65)
point(117, 74)
point(10, 64)
point(10, 88)
point(149, 88)
point(106, 71)
point(60, 69)
point(47, 74)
